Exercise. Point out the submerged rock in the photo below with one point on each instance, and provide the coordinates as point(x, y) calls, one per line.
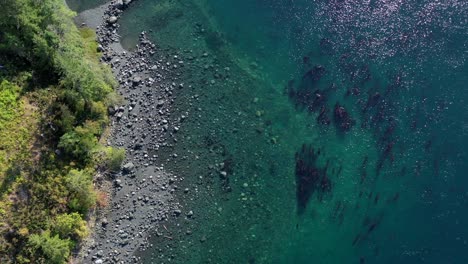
point(177, 212)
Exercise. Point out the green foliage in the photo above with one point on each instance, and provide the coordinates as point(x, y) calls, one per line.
point(78, 143)
point(89, 37)
point(9, 102)
point(51, 248)
point(26, 31)
point(70, 226)
point(16, 129)
point(49, 60)
point(113, 99)
point(111, 158)
point(67, 118)
point(10, 111)
point(42, 33)
point(98, 111)
point(80, 186)
point(90, 79)
point(74, 101)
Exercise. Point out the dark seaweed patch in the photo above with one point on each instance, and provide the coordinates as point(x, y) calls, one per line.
point(343, 120)
point(310, 177)
point(307, 95)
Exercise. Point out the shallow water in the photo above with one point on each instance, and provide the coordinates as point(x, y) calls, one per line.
point(316, 131)
point(82, 5)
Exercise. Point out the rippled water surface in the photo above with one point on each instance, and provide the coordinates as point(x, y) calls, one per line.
point(317, 131)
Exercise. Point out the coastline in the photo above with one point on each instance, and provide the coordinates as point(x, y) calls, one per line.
point(140, 195)
point(215, 131)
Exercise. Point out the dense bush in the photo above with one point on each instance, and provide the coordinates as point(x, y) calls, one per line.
point(70, 226)
point(82, 195)
point(78, 143)
point(25, 33)
point(111, 158)
point(47, 180)
point(49, 249)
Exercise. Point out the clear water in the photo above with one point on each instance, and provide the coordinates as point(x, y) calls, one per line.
point(306, 182)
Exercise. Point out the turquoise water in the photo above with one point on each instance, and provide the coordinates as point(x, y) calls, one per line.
point(341, 127)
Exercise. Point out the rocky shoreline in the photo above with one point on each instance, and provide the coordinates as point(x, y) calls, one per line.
point(141, 194)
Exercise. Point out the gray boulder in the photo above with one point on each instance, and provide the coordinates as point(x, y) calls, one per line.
point(112, 20)
point(136, 80)
point(128, 167)
point(119, 4)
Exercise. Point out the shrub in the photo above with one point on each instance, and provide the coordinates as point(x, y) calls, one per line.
point(67, 119)
point(53, 249)
point(80, 186)
point(113, 99)
point(70, 226)
point(78, 143)
point(98, 111)
point(111, 158)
